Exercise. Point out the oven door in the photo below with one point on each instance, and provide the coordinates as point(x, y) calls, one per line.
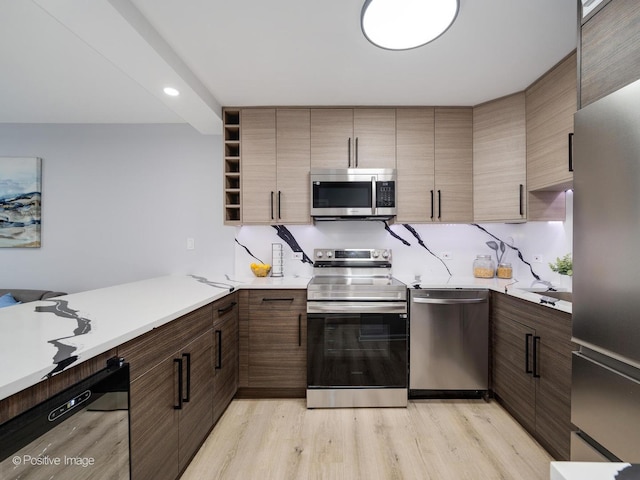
point(357, 349)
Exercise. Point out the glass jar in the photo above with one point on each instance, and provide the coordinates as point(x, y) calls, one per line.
point(484, 267)
point(504, 270)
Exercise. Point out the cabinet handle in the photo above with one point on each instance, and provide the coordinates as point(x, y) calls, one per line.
point(439, 204)
point(571, 152)
point(219, 359)
point(279, 203)
point(187, 356)
point(179, 362)
point(278, 299)
point(431, 204)
point(356, 151)
point(299, 329)
point(228, 308)
point(536, 342)
point(272, 206)
point(349, 152)
point(521, 199)
point(527, 368)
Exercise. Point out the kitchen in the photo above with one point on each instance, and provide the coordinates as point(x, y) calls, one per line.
point(124, 159)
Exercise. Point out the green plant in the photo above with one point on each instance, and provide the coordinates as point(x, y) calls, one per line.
point(564, 265)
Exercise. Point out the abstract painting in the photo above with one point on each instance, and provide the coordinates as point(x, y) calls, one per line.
point(20, 201)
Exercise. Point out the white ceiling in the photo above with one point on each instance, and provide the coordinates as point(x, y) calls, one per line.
point(106, 61)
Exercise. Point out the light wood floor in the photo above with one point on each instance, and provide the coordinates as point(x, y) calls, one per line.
point(431, 439)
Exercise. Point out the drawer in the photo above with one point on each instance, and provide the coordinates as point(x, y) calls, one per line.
point(605, 404)
point(261, 300)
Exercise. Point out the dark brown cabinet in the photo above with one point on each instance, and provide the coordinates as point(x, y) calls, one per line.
point(273, 352)
point(609, 50)
point(225, 353)
point(531, 375)
point(171, 399)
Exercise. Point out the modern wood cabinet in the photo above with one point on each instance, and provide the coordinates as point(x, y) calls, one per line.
point(609, 50)
point(171, 397)
point(353, 138)
point(275, 166)
point(550, 103)
point(453, 200)
point(273, 352)
point(415, 159)
point(225, 353)
point(531, 374)
point(499, 160)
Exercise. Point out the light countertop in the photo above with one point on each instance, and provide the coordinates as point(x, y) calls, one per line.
point(38, 337)
point(591, 470)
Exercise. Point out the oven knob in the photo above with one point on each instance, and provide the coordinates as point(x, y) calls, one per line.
point(376, 254)
point(385, 254)
point(329, 254)
point(319, 254)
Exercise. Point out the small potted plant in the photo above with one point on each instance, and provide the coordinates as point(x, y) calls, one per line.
point(564, 267)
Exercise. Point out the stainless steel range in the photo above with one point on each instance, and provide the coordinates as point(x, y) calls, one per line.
point(357, 331)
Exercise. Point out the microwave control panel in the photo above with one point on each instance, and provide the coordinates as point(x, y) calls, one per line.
point(386, 194)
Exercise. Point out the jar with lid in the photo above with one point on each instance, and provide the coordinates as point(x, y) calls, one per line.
point(484, 267)
point(504, 270)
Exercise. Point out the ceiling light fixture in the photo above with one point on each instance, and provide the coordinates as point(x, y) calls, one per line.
point(406, 24)
point(172, 92)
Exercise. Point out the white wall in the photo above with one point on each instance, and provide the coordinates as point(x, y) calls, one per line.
point(118, 203)
point(464, 242)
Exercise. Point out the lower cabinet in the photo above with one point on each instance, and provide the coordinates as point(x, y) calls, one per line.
point(171, 399)
point(531, 375)
point(225, 353)
point(273, 339)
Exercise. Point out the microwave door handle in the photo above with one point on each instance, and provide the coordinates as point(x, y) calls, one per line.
point(374, 207)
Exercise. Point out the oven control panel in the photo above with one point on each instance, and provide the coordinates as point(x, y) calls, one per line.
point(352, 255)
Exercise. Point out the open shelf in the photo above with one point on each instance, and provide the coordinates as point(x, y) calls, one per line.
point(232, 162)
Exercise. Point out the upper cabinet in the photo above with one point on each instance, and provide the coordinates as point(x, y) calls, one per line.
point(415, 159)
point(353, 138)
point(453, 152)
point(499, 160)
point(551, 103)
point(275, 166)
point(609, 49)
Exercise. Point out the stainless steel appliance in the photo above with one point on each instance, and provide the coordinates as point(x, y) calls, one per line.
point(353, 193)
point(605, 397)
point(356, 331)
point(80, 433)
point(449, 347)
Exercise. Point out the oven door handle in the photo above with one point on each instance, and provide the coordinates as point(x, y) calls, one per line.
point(356, 307)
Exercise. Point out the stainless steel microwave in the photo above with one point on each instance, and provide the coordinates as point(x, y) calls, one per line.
point(353, 193)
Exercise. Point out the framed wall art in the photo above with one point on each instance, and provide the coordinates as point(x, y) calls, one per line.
point(20, 201)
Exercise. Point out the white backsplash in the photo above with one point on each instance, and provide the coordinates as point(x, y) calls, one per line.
point(463, 242)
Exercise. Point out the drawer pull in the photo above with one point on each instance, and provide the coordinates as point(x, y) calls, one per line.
point(228, 308)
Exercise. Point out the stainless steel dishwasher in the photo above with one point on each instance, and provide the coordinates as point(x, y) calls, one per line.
point(449, 343)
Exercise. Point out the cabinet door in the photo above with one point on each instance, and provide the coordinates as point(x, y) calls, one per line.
point(374, 131)
point(610, 48)
point(293, 164)
point(225, 359)
point(454, 164)
point(415, 164)
point(550, 104)
point(331, 138)
point(154, 423)
point(277, 339)
point(258, 166)
point(499, 160)
point(196, 417)
point(512, 359)
point(553, 393)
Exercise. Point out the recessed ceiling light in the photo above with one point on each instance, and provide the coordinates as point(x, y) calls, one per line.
point(406, 24)
point(172, 92)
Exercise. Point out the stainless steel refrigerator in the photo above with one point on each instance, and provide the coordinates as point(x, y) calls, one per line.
point(605, 399)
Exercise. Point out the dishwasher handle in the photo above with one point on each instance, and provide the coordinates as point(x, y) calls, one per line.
point(448, 301)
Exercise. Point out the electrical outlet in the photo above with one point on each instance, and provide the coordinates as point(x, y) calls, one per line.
point(191, 243)
point(537, 258)
point(296, 255)
point(446, 256)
